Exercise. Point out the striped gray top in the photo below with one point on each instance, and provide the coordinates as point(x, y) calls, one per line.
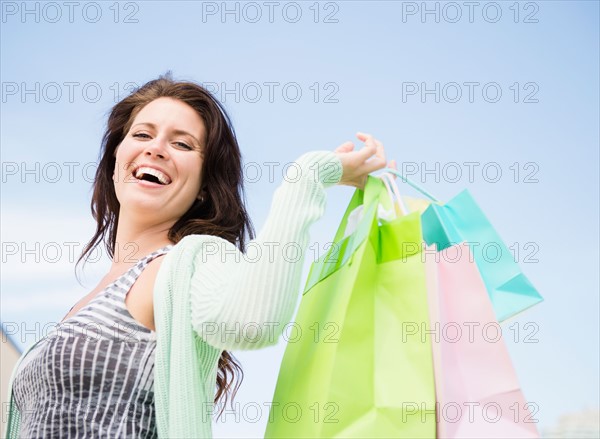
point(93, 374)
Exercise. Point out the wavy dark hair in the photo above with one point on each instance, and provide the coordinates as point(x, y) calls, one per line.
point(221, 212)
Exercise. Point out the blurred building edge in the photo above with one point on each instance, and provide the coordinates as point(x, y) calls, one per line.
point(9, 354)
point(583, 424)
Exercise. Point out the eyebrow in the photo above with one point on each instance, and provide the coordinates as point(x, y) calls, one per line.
point(151, 125)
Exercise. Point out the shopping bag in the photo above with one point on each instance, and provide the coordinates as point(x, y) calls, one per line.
point(478, 393)
point(462, 220)
point(350, 375)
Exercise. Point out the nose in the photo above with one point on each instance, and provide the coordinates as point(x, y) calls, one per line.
point(157, 147)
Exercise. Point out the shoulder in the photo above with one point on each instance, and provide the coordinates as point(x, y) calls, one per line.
point(147, 278)
point(197, 249)
point(140, 299)
point(153, 266)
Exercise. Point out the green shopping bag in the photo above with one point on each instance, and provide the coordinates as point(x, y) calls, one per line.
point(352, 373)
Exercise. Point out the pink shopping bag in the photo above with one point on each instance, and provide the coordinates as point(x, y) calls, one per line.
point(477, 390)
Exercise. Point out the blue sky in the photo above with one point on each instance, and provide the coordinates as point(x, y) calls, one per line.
point(360, 67)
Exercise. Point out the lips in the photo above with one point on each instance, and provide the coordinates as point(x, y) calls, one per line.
point(151, 174)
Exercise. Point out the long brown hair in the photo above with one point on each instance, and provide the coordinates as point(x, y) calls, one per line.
point(221, 212)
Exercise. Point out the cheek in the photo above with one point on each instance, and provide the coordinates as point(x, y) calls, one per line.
point(118, 183)
point(120, 172)
point(124, 158)
point(192, 185)
point(121, 149)
point(192, 171)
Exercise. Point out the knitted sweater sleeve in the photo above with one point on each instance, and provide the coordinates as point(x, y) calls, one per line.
point(241, 301)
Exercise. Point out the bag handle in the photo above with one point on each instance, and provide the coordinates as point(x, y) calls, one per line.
point(370, 197)
point(365, 197)
point(393, 191)
point(410, 183)
point(344, 247)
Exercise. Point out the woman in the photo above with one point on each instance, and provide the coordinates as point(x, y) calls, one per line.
point(140, 355)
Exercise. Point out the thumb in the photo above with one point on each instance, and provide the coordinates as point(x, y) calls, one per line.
point(345, 147)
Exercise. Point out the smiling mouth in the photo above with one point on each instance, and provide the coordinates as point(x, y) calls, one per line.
point(152, 175)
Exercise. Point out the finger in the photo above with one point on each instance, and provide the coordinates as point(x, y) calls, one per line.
point(362, 136)
point(344, 147)
point(380, 146)
point(369, 139)
point(368, 149)
point(377, 162)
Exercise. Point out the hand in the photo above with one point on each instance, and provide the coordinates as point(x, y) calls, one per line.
point(356, 164)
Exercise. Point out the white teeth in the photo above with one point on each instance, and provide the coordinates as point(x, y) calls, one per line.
point(162, 178)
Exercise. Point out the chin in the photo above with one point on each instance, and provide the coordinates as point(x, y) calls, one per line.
point(148, 207)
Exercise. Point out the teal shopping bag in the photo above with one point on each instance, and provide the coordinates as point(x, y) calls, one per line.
point(462, 220)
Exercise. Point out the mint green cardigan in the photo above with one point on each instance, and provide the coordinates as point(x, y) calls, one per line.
point(210, 297)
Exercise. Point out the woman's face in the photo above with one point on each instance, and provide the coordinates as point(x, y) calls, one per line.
point(158, 163)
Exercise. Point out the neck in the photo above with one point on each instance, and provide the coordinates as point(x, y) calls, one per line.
point(137, 238)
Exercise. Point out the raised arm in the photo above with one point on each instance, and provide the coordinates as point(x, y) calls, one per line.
point(243, 301)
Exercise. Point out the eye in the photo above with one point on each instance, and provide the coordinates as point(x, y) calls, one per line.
point(184, 145)
point(181, 144)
